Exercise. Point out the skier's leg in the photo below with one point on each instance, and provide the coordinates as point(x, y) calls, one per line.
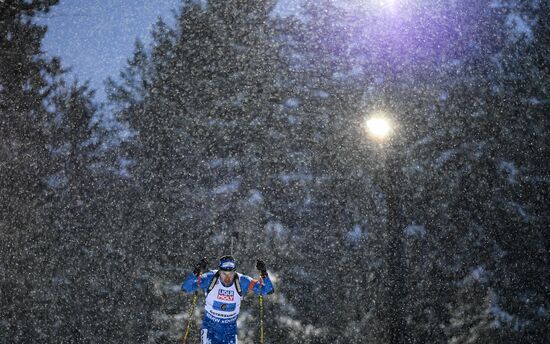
point(215, 335)
point(204, 336)
point(229, 337)
point(226, 339)
point(209, 332)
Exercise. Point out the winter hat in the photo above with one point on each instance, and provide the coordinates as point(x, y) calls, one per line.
point(227, 263)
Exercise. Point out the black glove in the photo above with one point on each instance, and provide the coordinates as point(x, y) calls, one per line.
point(260, 265)
point(200, 266)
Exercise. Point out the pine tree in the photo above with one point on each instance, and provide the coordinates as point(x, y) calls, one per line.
point(28, 82)
point(202, 127)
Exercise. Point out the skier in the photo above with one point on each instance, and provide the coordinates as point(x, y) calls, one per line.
point(224, 289)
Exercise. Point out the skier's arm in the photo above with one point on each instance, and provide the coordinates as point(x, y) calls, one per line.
point(250, 284)
point(190, 283)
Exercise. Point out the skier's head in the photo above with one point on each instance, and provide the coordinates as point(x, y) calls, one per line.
point(227, 263)
point(227, 268)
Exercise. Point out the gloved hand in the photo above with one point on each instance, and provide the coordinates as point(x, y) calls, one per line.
point(200, 266)
point(260, 265)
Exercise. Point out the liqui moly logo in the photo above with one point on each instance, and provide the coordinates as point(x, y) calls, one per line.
point(226, 295)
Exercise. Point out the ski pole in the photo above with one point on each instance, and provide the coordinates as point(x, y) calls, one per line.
point(261, 313)
point(192, 309)
point(234, 235)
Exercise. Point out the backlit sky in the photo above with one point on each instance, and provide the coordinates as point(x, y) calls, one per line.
point(96, 37)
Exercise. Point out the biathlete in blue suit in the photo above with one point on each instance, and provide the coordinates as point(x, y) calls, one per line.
point(224, 289)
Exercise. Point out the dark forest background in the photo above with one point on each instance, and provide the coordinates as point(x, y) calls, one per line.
point(237, 120)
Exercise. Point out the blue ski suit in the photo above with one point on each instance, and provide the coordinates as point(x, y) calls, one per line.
point(222, 304)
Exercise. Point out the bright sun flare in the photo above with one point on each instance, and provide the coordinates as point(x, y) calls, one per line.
point(378, 127)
